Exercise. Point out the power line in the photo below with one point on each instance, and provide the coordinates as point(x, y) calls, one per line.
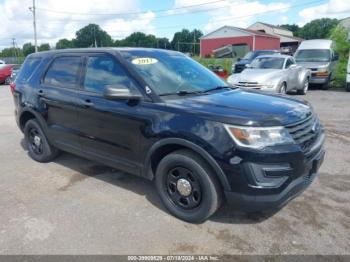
point(129, 13)
point(159, 16)
point(224, 19)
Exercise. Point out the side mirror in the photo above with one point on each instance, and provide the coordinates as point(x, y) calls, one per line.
point(121, 93)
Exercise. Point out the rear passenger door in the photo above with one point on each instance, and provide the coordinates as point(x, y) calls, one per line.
point(110, 129)
point(58, 92)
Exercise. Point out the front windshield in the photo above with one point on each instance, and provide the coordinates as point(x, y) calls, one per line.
point(313, 55)
point(268, 63)
point(249, 56)
point(170, 73)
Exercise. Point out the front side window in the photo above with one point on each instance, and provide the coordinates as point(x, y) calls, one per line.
point(169, 73)
point(289, 63)
point(268, 63)
point(64, 72)
point(103, 71)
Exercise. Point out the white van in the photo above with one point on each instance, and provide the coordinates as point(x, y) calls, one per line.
point(318, 56)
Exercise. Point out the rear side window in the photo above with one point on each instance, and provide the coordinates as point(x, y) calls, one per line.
point(28, 69)
point(64, 72)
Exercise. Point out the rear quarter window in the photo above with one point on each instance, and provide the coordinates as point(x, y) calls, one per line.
point(28, 68)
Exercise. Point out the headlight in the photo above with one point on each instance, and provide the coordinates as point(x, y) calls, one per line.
point(322, 69)
point(259, 137)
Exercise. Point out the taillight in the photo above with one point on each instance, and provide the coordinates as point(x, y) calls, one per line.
point(12, 87)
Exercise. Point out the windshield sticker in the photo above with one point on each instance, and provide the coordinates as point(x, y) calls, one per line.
point(144, 61)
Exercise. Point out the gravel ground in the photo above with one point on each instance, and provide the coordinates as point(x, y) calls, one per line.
point(74, 206)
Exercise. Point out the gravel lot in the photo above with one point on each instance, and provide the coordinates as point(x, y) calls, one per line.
point(74, 206)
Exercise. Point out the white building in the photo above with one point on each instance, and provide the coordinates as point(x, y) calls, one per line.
point(287, 39)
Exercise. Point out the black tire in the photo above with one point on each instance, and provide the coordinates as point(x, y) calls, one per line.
point(205, 196)
point(305, 88)
point(327, 85)
point(38, 146)
point(348, 87)
point(283, 89)
point(8, 81)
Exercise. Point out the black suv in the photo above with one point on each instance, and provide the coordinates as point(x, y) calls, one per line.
point(161, 115)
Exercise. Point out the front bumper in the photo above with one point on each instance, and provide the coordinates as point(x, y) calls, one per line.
point(318, 80)
point(263, 184)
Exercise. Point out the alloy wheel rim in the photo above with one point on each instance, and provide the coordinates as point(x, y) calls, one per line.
point(35, 141)
point(183, 188)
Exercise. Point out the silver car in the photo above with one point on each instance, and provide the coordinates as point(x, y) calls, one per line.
point(274, 73)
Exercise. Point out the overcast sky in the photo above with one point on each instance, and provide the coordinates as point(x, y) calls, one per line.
point(58, 19)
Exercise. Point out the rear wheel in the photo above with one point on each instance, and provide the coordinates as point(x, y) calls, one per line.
point(305, 87)
point(187, 186)
point(38, 147)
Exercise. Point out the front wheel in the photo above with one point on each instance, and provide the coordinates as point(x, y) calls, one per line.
point(8, 81)
point(283, 89)
point(305, 88)
point(187, 186)
point(327, 85)
point(38, 146)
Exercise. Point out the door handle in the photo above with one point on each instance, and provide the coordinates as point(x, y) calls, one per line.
point(87, 103)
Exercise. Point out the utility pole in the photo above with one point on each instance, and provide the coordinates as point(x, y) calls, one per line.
point(32, 9)
point(14, 52)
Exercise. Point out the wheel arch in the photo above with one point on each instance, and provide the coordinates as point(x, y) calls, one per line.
point(168, 145)
point(28, 114)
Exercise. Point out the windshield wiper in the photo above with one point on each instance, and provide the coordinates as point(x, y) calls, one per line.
point(218, 88)
point(182, 93)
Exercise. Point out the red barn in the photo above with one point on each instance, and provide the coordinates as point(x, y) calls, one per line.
point(229, 35)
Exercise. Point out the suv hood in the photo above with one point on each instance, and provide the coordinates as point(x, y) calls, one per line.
point(247, 108)
point(258, 75)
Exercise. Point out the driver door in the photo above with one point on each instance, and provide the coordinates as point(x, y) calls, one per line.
point(110, 130)
point(293, 73)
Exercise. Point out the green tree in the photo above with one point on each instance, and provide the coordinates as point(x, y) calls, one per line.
point(92, 35)
point(28, 48)
point(292, 27)
point(11, 52)
point(163, 43)
point(44, 47)
point(64, 44)
point(318, 29)
point(184, 40)
point(342, 47)
point(140, 40)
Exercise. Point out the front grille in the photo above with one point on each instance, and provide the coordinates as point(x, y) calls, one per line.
point(248, 84)
point(305, 133)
